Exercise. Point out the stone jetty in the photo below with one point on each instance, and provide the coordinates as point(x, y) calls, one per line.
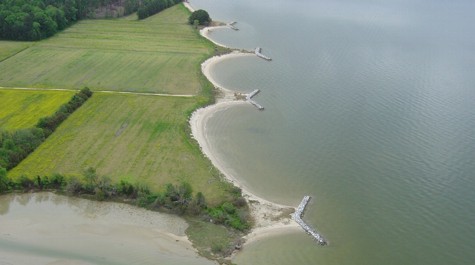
point(231, 25)
point(258, 50)
point(252, 94)
point(297, 216)
point(249, 99)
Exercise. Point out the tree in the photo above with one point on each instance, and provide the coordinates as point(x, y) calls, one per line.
point(201, 15)
point(91, 178)
point(38, 19)
point(152, 7)
point(3, 179)
point(185, 193)
point(200, 200)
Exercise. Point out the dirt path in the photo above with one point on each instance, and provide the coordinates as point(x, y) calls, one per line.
point(103, 91)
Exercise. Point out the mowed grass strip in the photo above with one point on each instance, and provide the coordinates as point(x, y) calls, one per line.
point(20, 109)
point(10, 48)
point(138, 138)
point(160, 54)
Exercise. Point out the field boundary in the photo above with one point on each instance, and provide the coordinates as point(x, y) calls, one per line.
point(13, 54)
point(102, 91)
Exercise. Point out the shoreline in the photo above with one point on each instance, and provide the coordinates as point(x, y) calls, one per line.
point(138, 229)
point(205, 32)
point(269, 218)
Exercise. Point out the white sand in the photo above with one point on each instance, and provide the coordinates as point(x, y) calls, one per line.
point(189, 7)
point(206, 32)
point(227, 95)
point(270, 218)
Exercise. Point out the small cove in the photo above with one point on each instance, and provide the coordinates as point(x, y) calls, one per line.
point(369, 110)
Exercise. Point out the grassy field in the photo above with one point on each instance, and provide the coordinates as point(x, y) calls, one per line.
point(21, 109)
point(142, 139)
point(158, 54)
point(10, 48)
point(132, 137)
point(139, 138)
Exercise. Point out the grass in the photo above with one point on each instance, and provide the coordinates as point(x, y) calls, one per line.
point(212, 241)
point(10, 48)
point(138, 138)
point(20, 109)
point(158, 54)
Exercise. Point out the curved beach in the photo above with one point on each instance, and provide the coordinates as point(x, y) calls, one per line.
point(269, 218)
point(205, 32)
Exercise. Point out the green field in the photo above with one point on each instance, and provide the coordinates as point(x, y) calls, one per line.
point(10, 48)
point(133, 137)
point(143, 139)
point(20, 109)
point(139, 138)
point(158, 55)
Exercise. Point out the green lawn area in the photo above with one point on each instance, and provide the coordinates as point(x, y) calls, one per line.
point(10, 48)
point(133, 137)
point(159, 54)
point(20, 109)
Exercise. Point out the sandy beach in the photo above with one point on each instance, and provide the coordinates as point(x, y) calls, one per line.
point(206, 32)
point(269, 218)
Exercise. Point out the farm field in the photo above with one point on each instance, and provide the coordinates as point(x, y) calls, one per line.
point(20, 109)
point(9, 48)
point(134, 137)
point(158, 55)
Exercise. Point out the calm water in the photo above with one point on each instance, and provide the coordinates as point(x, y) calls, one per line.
point(44, 228)
point(369, 108)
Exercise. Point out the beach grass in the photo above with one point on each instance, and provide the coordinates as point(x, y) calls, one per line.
point(141, 139)
point(212, 241)
point(156, 55)
point(10, 48)
point(20, 109)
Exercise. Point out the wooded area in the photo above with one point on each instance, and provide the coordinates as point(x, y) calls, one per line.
point(39, 19)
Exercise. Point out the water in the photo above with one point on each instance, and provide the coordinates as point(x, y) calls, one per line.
point(44, 228)
point(369, 110)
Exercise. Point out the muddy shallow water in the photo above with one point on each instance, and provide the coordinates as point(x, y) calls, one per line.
point(44, 228)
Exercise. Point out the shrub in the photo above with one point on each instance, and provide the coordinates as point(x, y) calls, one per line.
point(228, 215)
point(26, 183)
point(3, 179)
point(239, 202)
point(201, 16)
point(127, 189)
point(50, 123)
point(74, 186)
point(228, 208)
point(200, 200)
point(217, 248)
point(56, 181)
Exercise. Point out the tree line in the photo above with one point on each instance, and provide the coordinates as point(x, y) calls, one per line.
point(17, 145)
point(35, 19)
point(151, 7)
point(179, 198)
point(30, 20)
